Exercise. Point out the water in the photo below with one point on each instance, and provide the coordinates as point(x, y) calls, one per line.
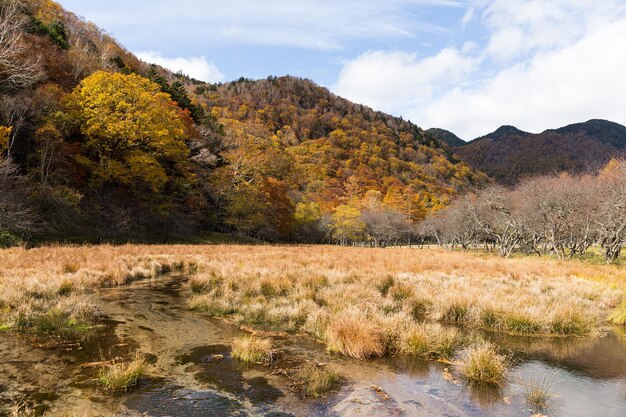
point(192, 374)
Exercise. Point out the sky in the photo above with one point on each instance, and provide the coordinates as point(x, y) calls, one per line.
point(465, 66)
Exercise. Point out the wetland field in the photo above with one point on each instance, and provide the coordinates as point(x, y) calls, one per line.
point(233, 330)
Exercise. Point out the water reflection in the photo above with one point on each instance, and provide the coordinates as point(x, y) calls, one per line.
point(589, 374)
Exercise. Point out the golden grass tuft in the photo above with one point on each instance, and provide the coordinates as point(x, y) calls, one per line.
point(120, 375)
point(430, 340)
point(250, 349)
point(316, 380)
point(296, 288)
point(618, 315)
point(482, 364)
point(538, 393)
point(352, 334)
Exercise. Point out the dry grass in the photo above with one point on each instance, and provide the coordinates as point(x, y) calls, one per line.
point(430, 340)
point(538, 393)
point(44, 290)
point(618, 316)
point(250, 349)
point(351, 333)
point(482, 364)
point(315, 380)
point(366, 302)
point(120, 376)
point(317, 288)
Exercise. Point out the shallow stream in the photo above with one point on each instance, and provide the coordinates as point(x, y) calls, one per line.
point(192, 374)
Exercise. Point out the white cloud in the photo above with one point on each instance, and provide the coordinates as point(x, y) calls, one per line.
point(313, 24)
point(545, 63)
point(573, 84)
point(519, 27)
point(393, 81)
point(196, 67)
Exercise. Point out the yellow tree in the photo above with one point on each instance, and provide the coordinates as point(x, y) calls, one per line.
point(132, 130)
point(5, 132)
point(346, 225)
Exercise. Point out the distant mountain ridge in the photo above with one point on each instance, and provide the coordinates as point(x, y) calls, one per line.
point(446, 136)
point(509, 154)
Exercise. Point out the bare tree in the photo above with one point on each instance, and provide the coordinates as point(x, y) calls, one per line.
point(15, 112)
point(50, 152)
point(17, 68)
point(612, 221)
point(15, 216)
point(495, 213)
point(385, 227)
point(83, 59)
point(557, 212)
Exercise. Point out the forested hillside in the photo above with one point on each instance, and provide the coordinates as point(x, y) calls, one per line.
point(97, 145)
point(508, 154)
point(446, 137)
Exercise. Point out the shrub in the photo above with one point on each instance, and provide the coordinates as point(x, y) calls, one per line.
point(252, 349)
point(8, 239)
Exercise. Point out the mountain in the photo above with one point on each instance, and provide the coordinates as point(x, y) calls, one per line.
point(98, 145)
point(509, 154)
point(504, 132)
point(447, 137)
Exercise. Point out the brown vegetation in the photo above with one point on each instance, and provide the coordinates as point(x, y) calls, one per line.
point(482, 364)
point(252, 349)
point(361, 302)
point(46, 290)
point(315, 380)
point(561, 215)
point(120, 376)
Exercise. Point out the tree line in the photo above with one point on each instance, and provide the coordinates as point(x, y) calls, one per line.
point(563, 215)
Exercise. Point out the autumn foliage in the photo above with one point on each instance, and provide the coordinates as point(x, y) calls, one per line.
point(111, 148)
point(132, 130)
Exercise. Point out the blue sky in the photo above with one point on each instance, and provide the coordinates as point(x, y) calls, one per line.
point(467, 66)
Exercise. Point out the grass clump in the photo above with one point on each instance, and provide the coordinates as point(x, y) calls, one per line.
point(520, 323)
point(572, 322)
point(316, 380)
point(250, 349)
point(56, 321)
point(618, 316)
point(214, 307)
point(538, 393)
point(120, 375)
point(353, 334)
point(430, 340)
point(482, 364)
point(456, 312)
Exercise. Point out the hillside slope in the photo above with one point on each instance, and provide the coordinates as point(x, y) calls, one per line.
point(509, 154)
point(446, 137)
point(80, 133)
